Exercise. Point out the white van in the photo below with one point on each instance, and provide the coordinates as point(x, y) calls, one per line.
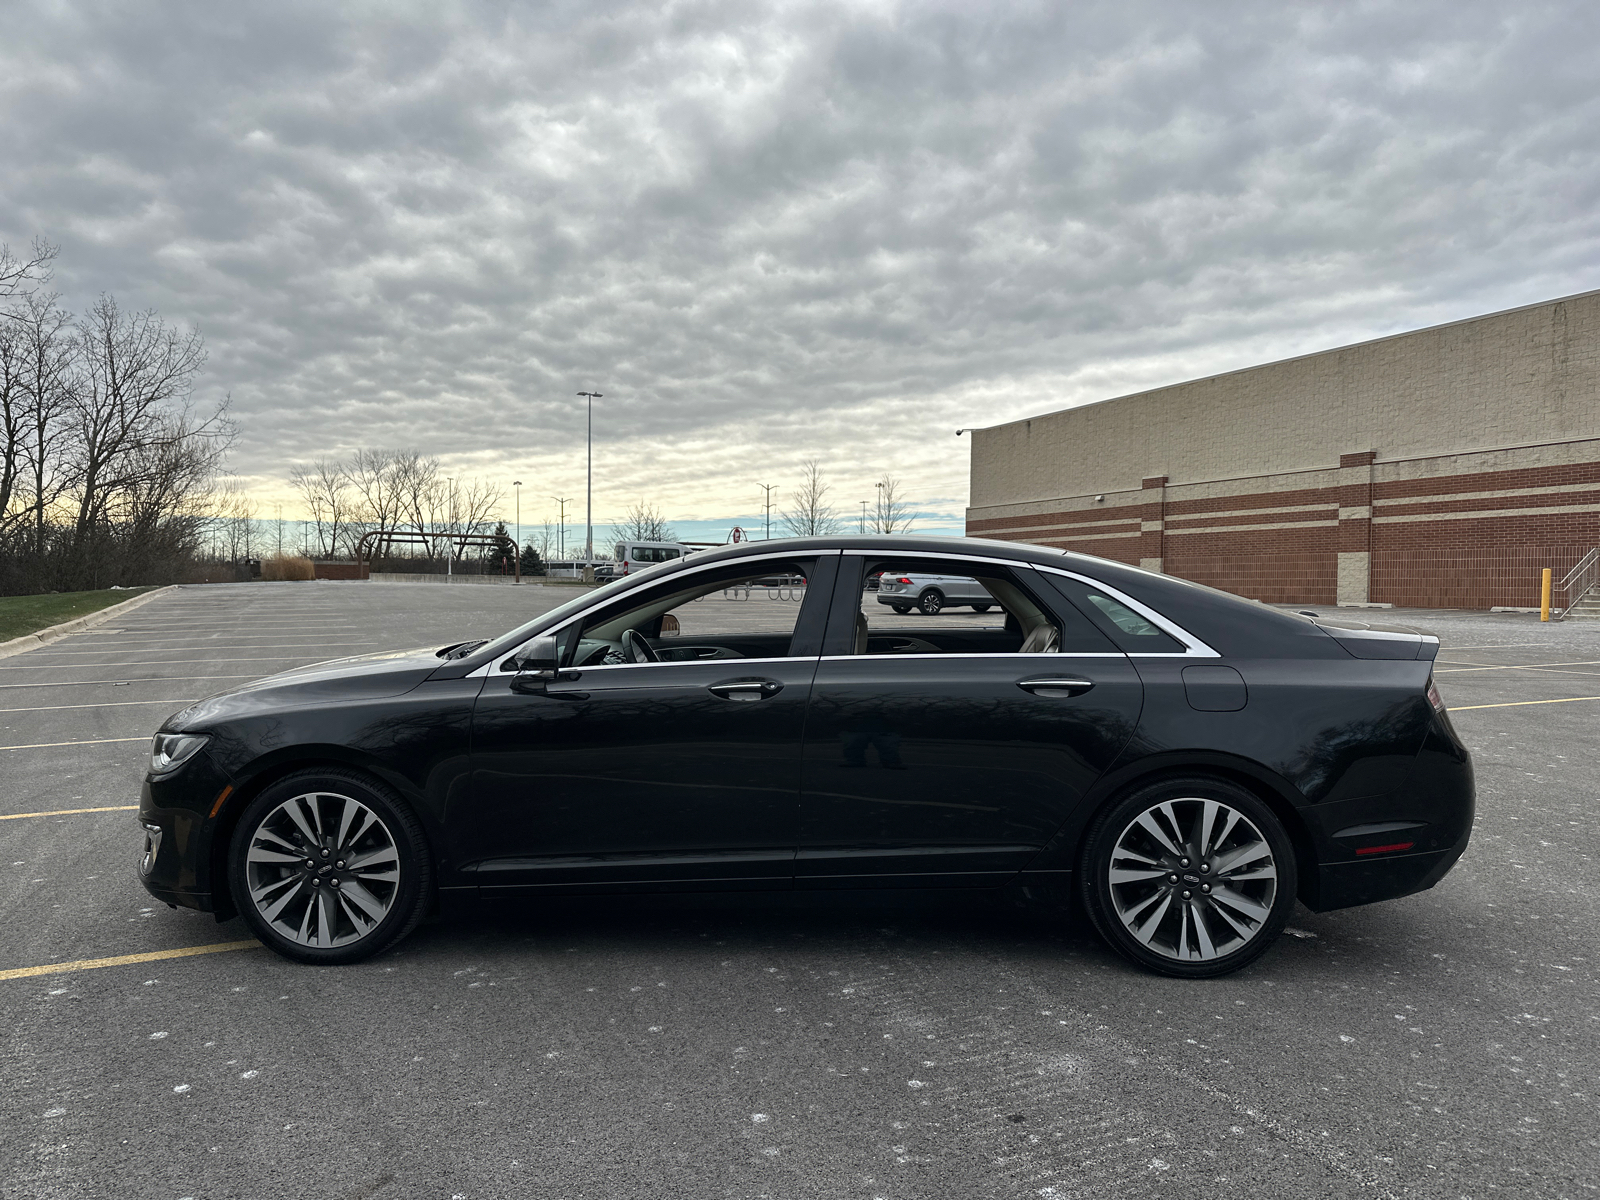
point(635, 556)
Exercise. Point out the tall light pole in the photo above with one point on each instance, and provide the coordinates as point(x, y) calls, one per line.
point(769, 488)
point(588, 503)
point(879, 486)
point(517, 483)
point(561, 529)
point(863, 528)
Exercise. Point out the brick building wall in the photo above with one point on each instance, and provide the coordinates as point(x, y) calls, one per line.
point(1464, 525)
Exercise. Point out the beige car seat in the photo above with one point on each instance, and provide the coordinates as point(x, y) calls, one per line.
point(1043, 638)
point(861, 633)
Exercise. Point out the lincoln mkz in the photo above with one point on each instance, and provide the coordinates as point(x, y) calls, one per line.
point(1183, 764)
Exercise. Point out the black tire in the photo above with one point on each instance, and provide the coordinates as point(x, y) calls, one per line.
point(1235, 922)
point(930, 602)
point(980, 608)
point(317, 920)
point(902, 609)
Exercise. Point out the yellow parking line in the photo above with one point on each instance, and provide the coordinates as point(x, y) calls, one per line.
point(125, 960)
point(1520, 703)
point(64, 812)
point(89, 742)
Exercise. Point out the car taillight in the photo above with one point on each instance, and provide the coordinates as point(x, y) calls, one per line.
point(1391, 848)
point(1434, 698)
point(902, 579)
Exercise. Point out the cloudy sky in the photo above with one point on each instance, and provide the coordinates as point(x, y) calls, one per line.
point(770, 232)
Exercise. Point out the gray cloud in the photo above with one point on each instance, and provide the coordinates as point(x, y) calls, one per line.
point(768, 233)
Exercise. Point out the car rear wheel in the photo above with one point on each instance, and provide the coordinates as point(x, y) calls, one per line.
point(329, 867)
point(980, 608)
point(931, 601)
point(902, 609)
point(1189, 877)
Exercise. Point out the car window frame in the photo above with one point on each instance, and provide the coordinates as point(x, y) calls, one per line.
point(839, 641)
point(810, 622)
point(1193, 646)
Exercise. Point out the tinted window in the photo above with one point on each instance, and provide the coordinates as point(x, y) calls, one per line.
point(715, 614)
point(934, 606)
point(1130, 631)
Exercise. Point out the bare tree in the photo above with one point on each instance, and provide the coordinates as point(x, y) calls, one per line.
point(136, 368)
point(18, 276)
point(52, 381)
point(415, 482)
point(324, 488)
point(892, 514)
point(465, 508)
point(643, 522)
point(13, 423)
point(106, 468)
point(375, 477)
point(811, 514)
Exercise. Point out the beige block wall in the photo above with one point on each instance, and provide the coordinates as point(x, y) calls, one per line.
point(1525, 376)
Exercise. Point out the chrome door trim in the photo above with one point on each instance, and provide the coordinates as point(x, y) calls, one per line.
point(1013, 656)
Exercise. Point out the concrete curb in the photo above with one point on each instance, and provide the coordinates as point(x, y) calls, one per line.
point(32, 641)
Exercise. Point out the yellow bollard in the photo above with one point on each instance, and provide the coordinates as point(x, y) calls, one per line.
point(1544, 595)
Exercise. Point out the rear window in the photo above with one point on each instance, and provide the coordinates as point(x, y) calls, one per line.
point(1135, 633)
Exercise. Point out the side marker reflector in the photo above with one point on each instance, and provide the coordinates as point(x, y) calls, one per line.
point(1397, 846)
point(222, 797)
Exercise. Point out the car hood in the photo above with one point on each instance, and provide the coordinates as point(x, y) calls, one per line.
point(362, 677)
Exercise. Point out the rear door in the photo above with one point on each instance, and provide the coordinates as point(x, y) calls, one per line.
point(937, 751)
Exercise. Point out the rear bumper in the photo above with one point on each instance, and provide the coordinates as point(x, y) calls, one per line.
point(1346, 884)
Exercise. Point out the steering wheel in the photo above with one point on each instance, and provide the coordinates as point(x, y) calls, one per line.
point(637, 649)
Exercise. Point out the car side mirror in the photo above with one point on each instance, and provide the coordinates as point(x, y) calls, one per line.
point(541, 654)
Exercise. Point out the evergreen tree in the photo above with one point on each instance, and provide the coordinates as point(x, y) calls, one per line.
point(502, 555)
point(532, 564)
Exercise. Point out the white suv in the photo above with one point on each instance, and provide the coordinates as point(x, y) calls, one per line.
point(932, 593)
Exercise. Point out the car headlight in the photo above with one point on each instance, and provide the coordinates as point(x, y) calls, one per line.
point(168, 751)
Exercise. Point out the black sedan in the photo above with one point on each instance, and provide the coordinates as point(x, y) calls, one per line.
point(1183, 763)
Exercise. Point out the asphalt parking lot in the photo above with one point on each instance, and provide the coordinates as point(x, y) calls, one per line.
point(1442, 1045)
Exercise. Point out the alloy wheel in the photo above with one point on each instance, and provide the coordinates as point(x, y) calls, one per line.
point(1193, 879)
point(931, 603)
point(322, 870)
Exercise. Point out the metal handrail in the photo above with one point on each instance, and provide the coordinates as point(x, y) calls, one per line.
point(1579, 581)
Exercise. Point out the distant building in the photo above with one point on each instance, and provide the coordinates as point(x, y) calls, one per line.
point(1439, 468)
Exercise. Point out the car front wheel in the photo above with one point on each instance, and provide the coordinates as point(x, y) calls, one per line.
point(329, 867)
point(980, 608)
point(902, 609)
point(1190, 877)
point(930, 602)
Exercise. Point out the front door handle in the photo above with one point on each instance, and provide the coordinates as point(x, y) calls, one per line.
point(746, 689)
point(1056, 687)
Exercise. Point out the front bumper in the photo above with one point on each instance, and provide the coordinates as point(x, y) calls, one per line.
point(175, 851)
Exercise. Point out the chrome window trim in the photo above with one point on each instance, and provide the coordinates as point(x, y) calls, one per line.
point(1194, 647)
point(694, 662)
point(953, 556)
point(1045, 656)
point(488, 671)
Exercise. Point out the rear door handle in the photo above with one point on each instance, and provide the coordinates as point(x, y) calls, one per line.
point(746, 689)
point(1056, 686)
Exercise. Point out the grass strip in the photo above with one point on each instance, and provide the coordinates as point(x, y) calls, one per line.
point(29, 614)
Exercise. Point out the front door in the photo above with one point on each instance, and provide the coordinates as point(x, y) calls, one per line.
point(667, 753)
point(947, 749)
